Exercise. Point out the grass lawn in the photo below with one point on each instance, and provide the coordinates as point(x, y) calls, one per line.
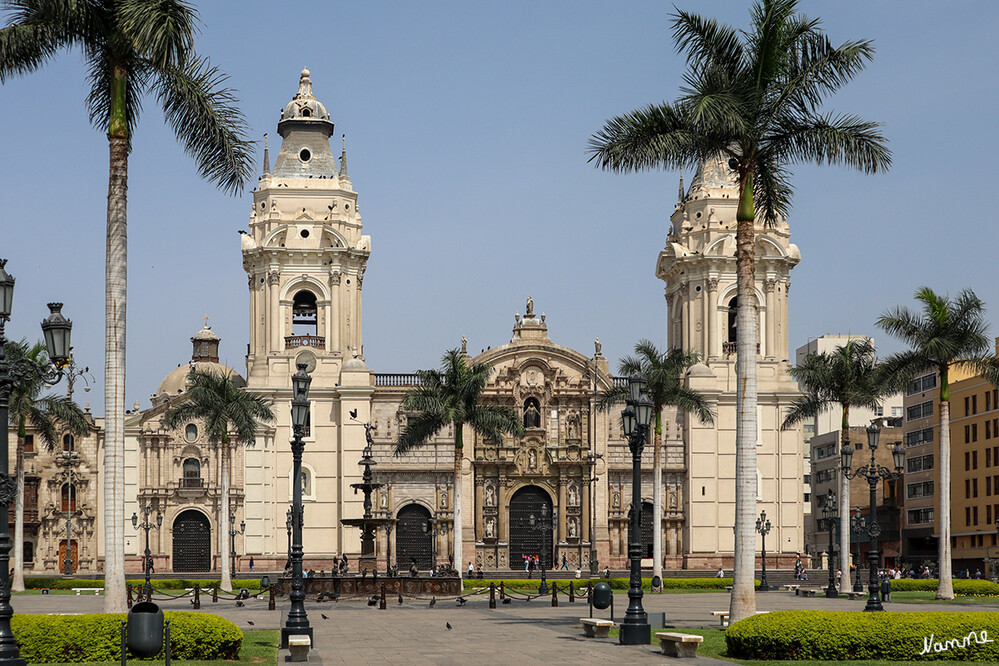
point(259, 647)
point(929, 596)
point(714, 646)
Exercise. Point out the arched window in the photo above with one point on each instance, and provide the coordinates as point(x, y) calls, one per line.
point(532, 413)
point(68, 498)
point(733, 319)
point(308, 483)
point(191, 432)
point(303, 314)
point(68, 442)
point(192, 473)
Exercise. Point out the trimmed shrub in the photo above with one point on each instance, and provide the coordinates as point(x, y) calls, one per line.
point(82, 638)
point(158, 583)
point(615, 583)
point(840, 635)
point(962, 587)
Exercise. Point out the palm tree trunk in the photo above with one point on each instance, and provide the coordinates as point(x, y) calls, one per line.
point(456, 504)
point(844, 510)
point(224, 509)
point(657, 498)
point(114, 352)
point(743, 602)
point(17, 585)
point(945, 589)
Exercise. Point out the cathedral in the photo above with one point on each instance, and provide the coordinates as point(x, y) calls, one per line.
point(562, 490)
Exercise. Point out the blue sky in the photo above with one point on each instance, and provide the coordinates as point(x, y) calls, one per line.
point(466, 128)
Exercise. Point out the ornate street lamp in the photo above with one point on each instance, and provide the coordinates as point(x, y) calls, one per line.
point(874, 473)
point(763, 529)
point(233, 533)
point(830, 516)
point(297, 622)
point(69, 460)
point(635, 630)
point(287, 523)
point(435, 527)
point(592, 459)
point(147, 560)
point(56, 329)
point(543, 525)
point(857, 525)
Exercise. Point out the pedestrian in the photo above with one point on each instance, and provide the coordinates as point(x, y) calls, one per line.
point(565, 564)
point(721, 573)
point(471, 569)
point(251, 563)
point(527, 564)
point(978, 574)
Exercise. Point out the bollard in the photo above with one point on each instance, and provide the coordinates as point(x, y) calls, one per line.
point(572, 593)
point(215, 593)
point(492, 594)
point(554, 595)
point(128, 598)
point(166, 648)
point(270, 599)
point(502, 590)
point(381, 601)
point(197, 596)
point(124, 645)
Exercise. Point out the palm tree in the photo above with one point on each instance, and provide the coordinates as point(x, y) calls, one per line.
point(850, 376)
point(43, 414)
point(664, 372)
point(450, 396)
point(753, 97)
point(132, 47)
point(229, 414)
point(948, 334)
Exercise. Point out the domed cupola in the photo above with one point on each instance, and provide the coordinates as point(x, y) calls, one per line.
point(306, 127)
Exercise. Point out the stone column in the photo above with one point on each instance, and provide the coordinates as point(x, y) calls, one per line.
point(771, 343)
point(477, 508)
point(335, 319)
point(561, 508)
point(712, 330)
point(274, 341)
point(503, 514)
point(585, 527)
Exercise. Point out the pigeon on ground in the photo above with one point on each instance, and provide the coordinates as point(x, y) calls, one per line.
point(400, 599)
point(507, 600)
point(448, 625)
point(250, 622)
point(324, 616)
point(239, 604)
point(461, 601)
point(373, 601)
point(433, 602)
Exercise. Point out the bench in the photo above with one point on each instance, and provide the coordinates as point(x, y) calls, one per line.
point(95, 590)
point(298, 646)
point(856, 595)
point(722, 617)
point(678, 645)
point(594, 628)
point(790, 587)
point(806, 593)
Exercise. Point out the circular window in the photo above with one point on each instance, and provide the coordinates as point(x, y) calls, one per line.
point(348, 280)
point(191, 432)
point(305, 155)
point(304, 233)
point(698, 216)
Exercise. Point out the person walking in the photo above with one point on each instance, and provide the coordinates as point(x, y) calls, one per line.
point(251, 563)
point(565, 564)
point(471, 569)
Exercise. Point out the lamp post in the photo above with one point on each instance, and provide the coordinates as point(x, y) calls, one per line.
point(635, 629)
point(56, 329)
point(829, 515)
point(69, 460)
point(763, 529)
point(543, 525)
point(287, 523)
point(435, 528)
point(147, 590)
point(297, 622)
point(233, 533)
point(874, 473)
point(592, 459)
point(857, 525)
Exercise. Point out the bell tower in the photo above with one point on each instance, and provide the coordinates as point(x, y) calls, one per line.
point(698, 267)
point(305, 258)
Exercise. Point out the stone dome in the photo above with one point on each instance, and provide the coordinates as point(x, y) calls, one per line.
point(304, 104)
point(355, 363)
point(175, 382)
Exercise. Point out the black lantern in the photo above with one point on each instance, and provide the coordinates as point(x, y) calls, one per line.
point(6, 291)
point(297, 620)
point(57, 330)
point(147, 562)
point(635, 630)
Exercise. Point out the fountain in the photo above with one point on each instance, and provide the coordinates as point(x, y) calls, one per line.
point(368, 561)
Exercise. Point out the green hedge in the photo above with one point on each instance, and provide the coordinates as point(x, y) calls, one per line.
point(615, 583)
point(83, 638)
point(839, 635)
point(962, 587)
point(158, 583)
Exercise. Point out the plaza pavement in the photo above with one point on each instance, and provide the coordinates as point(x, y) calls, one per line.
point(519, 633)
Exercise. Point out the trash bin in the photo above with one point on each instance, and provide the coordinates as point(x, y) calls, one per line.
point(657, 620)
point(244, 593)
point(602, 595)
point(265, 582)
point(144, 634)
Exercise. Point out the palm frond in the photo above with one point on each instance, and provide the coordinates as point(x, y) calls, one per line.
point(161, 31)
point(418, 431)
point(205, 117)
point(833, 139)
point(656, 136)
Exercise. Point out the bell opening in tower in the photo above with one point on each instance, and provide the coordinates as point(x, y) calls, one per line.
point(303, 314)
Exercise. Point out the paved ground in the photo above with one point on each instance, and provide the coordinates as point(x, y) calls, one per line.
point(519, 633)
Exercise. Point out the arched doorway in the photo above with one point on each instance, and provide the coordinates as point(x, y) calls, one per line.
point(647, 528)
point(525, 540)
point(192, 542)
point(413, 541)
